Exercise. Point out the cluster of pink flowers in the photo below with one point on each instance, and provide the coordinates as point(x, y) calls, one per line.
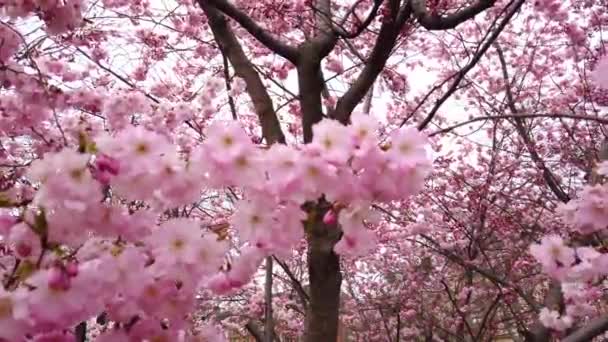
point(568, 264)
point(59, 16)
point(278, 180)
point(589, 213)
point(578, 298)
point(80, 251)
point(577, 267)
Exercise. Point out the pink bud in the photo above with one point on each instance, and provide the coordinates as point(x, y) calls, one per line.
point(23, 250)
point(260, 245)
point(107, 164)
point(58, 279)
point(105, 167)
point(330, 217)
point(71, 268)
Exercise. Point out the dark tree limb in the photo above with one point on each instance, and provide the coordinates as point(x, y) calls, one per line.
point(548, 176)
point(593, 329)
point(255, 331)
point(325, 38)
point(432, 21)
point(363, 25)
point(375, 63)
point(463, 317)
point(486, 317)
point(229, 86)
point(269, 321)
point(282, 49)
point(310, 86)
point(554, 300)
point(304, 298)
point(322, 315)
point(232, 49)
point(80, 332)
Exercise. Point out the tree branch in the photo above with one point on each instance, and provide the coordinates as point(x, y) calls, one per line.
point(548, 176)
point(81, 332)
point(231, 48)
point(325, 37)
point(554, 299)
point(476, 58)
point(228, 86)
point(294, 281)
point(363, 25)
point(383, 47)
point(254, 330)
point(511, 116)
point(433, 21)
point(286, 51)
point(457, 308)
point(269, 323)
point(593, 329)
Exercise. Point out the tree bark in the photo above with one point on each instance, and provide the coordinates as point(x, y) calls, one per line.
point(310, 86)
point(322, 316)
point(81, 332)
point(255, 332)
point(269, 323)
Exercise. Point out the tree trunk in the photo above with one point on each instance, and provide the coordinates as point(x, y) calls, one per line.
point(310, 87)
point(269, 323)
point(322, 316)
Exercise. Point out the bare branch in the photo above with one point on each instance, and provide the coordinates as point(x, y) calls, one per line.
point(363, 25)
point(229, 86)
point(462, 73)
point(548, 176)
point(523, 116)
point(295, 282)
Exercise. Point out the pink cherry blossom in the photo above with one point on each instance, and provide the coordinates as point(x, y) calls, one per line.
point(553, 320)
point(553, 255)
point(408, 146)
point(600, 72)
point(333, 140)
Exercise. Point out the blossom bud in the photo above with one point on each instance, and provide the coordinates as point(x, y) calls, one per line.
point(105, 167)
point(71, 268)
point(58, 279)
point(23, 250)
point(330, 217)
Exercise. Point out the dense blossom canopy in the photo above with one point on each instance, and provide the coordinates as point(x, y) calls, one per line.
point(414, 170)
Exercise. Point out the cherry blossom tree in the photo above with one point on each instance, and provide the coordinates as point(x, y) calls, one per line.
point(402, 169)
